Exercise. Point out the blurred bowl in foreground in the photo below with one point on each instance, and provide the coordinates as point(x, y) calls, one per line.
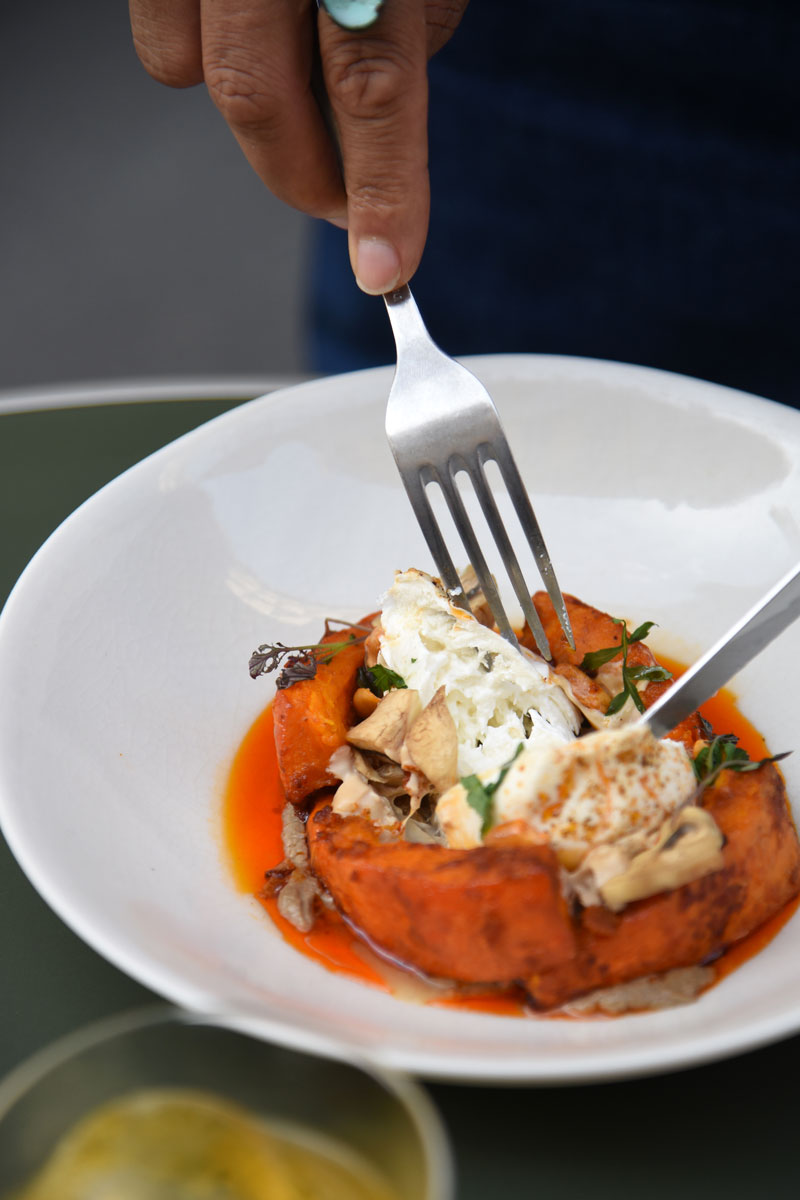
point(314, 1110)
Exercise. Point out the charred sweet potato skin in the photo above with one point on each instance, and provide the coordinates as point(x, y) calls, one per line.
point(313, 715)
point(478, 916)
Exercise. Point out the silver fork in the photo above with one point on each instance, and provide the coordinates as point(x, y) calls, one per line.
point(441, 421)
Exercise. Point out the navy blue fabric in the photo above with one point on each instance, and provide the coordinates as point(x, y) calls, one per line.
point(618, 180)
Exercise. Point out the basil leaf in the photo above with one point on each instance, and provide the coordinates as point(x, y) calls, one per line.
point(641, 632)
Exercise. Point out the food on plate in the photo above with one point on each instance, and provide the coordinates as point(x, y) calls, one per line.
point(193, 1145)
point(484, 817)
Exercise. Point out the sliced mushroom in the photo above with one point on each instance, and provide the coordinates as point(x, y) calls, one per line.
point(584, 690)
point(354, 796)
point(423, 833)
point(372, 645)
point(431, 744)
point(689, 846)
point(388, 777)
point(602, 863)
point(651, 992)
point(609, 676)
point(293, 834)
point(595, 716)
point(385, 731)
point(296, 900)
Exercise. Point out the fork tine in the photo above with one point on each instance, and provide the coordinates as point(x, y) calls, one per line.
point(474, 553)
point(415, 487)
point(435, 402)
point(510, 561)
point(530, 526)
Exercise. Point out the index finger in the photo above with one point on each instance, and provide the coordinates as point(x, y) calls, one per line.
point(377, 84)
point(257, 60)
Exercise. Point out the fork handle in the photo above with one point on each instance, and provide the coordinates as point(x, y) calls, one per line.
point(407, 324)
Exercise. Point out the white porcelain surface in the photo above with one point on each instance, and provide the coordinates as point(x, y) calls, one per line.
point(124, 689)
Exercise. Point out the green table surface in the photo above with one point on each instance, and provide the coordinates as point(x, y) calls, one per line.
point(727, 1129)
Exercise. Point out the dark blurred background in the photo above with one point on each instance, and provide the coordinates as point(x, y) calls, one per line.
point(615, 180)
point(134, 238)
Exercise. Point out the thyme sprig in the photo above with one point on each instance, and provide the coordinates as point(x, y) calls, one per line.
point(630, 675)
point(301, 662)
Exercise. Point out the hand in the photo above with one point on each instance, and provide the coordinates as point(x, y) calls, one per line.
point(257, 58)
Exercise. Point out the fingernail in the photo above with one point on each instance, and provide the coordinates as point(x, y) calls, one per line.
point(377, 266)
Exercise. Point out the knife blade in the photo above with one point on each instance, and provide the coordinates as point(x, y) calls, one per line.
point(773, 613)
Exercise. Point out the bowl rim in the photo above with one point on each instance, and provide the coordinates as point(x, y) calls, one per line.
point(142, 390)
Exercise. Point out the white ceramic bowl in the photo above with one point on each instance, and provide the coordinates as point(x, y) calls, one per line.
point(124, 689)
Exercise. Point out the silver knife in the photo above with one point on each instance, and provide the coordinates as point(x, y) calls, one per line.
point(748, 637)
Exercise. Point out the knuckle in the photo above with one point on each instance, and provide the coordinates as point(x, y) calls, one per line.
point(369, 85)
point(379, 198)
point(241, 96)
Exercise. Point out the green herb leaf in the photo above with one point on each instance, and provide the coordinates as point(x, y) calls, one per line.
point(479, 797)
point(723, 753)
point(379, 679)
point(617, 702)
point(641, 632)
point(651, 674)
point(631, 689)
point(630, 675)
point(595, 659)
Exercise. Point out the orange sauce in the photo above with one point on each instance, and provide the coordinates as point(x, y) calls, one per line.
point(252, 825)
point(252, 828)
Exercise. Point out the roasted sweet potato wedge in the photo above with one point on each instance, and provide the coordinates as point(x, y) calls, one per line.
point(682, 927)
point(594, 630)
point(473, 915)
point(312, 718)
point(478, 916)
